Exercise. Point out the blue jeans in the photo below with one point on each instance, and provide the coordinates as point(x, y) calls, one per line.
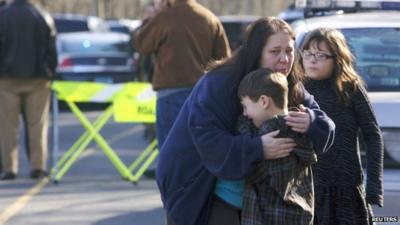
point(168, 108)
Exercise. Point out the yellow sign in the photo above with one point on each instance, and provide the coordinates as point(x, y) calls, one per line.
point(137, 103)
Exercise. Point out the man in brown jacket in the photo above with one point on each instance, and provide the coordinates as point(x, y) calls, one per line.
point(185, 37)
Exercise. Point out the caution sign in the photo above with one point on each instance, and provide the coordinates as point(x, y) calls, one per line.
point(136, 103)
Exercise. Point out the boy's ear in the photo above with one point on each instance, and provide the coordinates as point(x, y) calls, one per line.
point(265, 101)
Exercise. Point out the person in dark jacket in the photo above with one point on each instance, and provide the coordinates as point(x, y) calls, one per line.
point(279, 191)
point(340, 196)
point(203, 146)
point(27, 63)
point(185, 37)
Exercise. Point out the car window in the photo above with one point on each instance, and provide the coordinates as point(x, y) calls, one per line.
point(377, 52)
point(94, 46)
point(121, 29)
point(64, 25)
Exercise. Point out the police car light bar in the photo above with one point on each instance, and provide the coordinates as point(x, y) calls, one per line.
point(348, 4)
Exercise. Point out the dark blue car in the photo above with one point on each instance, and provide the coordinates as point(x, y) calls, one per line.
point(95, 56)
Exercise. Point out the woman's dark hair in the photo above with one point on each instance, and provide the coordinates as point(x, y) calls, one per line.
point(247, 57)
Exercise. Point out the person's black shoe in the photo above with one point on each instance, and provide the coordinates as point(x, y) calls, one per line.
point(38, 173)
point(8, 176)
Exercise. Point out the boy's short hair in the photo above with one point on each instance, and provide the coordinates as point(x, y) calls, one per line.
point(265, 82)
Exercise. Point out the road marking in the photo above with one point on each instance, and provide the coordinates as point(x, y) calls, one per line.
point(22, 201)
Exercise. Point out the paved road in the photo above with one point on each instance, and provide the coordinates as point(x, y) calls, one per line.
point(92, 192)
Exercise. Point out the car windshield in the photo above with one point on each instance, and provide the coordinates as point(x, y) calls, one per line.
point(64, 25)
point(377, 52)
point(95, 46)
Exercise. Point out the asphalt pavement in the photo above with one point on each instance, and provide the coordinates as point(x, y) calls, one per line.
point(93, 193)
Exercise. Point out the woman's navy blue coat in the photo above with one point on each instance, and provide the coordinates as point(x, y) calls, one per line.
point(202, 146)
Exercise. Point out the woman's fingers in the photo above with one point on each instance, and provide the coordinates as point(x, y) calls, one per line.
point(287, 146)
point(298, 121)
point(282, 155)
point(275, 148)
point(302, 108)
point(272, 133)
point(298, 127)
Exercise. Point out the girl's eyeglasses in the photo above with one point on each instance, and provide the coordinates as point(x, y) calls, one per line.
point(319, 56)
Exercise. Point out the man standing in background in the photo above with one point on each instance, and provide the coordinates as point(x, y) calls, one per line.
point(27, 63)
point(185, 37)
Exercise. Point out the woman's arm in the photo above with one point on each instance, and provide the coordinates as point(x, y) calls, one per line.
point(314, 123)
point(212, 118)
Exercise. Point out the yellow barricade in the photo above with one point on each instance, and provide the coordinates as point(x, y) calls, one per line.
point(130, 102)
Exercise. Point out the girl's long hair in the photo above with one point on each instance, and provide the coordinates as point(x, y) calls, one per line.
point(247, 57)
point(346, 80)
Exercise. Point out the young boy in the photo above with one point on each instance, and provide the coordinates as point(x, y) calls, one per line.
point(279, 191)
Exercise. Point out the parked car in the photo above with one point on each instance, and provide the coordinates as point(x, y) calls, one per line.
point(123, 25)
point(98, 57)
point(235, 27)
point(374, 39)
point(291, 14)
point(76, 23)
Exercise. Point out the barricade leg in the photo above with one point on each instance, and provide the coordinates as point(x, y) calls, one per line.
point(136, 177)
point(54, 127)
point(115, 160)
point(151, 150)
point(77, 148)
point(143, 155)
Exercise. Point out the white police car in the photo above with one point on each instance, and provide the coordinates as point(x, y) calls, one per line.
point(374, 38)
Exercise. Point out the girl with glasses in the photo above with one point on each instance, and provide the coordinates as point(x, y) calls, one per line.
point(338, 176)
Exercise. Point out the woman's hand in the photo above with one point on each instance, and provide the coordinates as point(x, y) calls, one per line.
point(299, 121)
point(275, 148)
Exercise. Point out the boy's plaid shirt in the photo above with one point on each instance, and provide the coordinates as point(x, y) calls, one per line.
point(279, 191)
